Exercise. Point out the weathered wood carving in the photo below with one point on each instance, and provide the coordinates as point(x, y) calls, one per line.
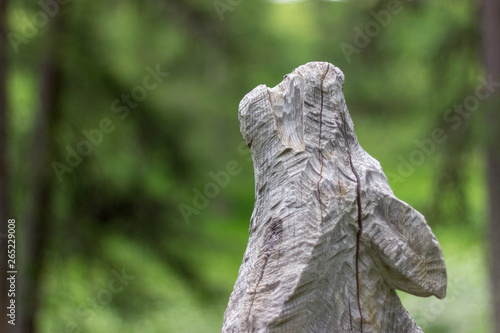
point(329, 242)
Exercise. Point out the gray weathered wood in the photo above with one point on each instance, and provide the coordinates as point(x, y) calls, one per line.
point(329, 242)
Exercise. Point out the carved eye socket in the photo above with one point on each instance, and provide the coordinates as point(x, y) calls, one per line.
point(285, 76)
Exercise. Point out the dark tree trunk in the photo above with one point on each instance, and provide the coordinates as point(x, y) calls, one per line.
point(37, 224)
point(491, 52)
point(3, 165)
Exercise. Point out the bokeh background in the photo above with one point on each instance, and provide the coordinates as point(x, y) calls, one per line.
point(117, 116)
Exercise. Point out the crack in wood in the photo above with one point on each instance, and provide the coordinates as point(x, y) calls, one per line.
point(266, 258)
point(271, 240)
point(358, 198)
point(350, 314)
point(266, 248)
point(360, 225)
point(320, 151)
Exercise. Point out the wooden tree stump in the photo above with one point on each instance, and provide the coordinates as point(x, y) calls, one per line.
point(329, 242)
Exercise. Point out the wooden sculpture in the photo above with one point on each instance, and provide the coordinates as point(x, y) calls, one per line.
point(329, 242)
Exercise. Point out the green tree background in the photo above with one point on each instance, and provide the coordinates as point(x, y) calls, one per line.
point(129, 203)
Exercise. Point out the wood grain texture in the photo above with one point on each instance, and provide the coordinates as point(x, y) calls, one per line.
point(329, 242)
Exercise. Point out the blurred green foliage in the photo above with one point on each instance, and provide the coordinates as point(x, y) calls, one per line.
point(119, 208)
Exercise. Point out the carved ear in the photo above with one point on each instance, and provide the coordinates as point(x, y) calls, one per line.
point(287, 101)
point(406, 250)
